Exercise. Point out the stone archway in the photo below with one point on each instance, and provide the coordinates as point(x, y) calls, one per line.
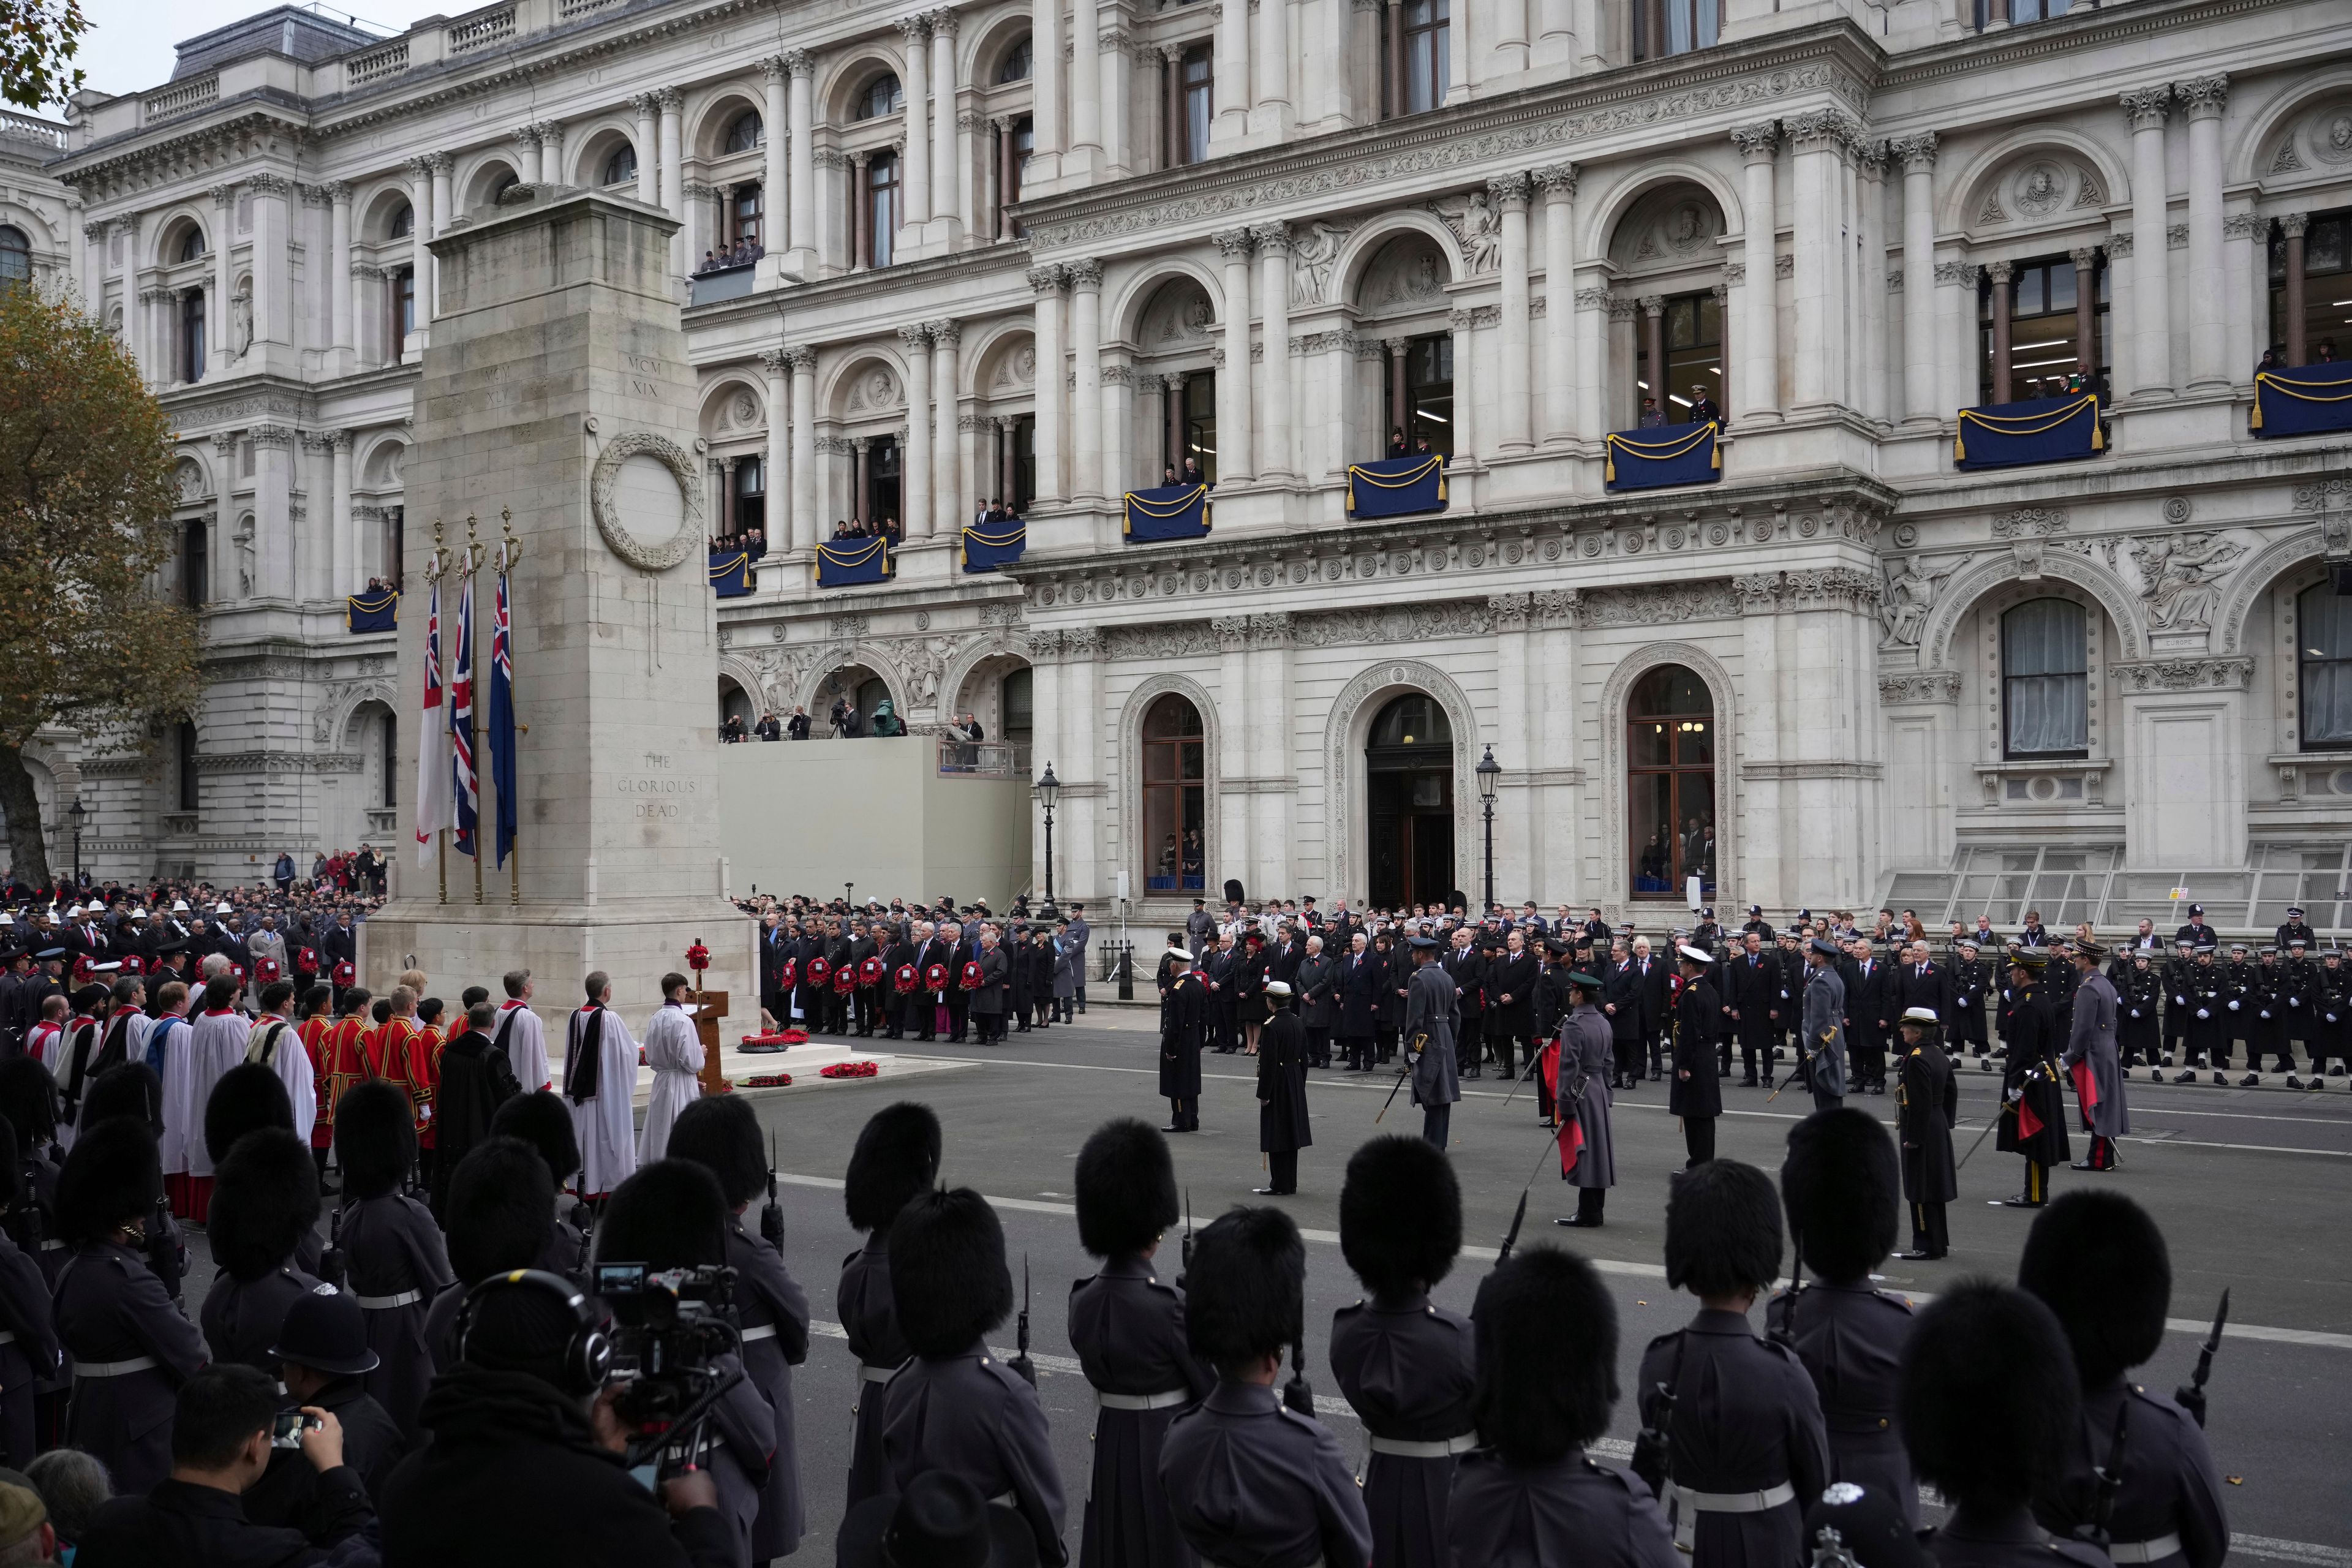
point(1346, 803)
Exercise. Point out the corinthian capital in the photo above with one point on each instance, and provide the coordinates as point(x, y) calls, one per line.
point(2205, 96)
point(2145, 107)
point(1917, 150)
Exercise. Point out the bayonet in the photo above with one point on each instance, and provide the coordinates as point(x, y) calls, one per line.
point(1021, 1362)
point(1518, 1218)
point(772, 1218)
point(2191, 1396)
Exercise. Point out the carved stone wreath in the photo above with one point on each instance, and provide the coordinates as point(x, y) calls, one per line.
point(666, 553)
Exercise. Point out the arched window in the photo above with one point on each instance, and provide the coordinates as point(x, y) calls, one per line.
point(1019, 61)
point(16, 256)
point(1173, 842)
point(1670, 783)
point(1409, 790)
point(882, 96)
point(2323, 628)
point(735, 704)
point(744, 133)
point(2045, 680)
point(191, 244)
point(402, 224)
point(620, 166)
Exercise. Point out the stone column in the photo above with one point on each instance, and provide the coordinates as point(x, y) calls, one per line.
point(915, 454)
point(1271, 802)
point(915, 158)
point(2291, 226)
point(1758, 400)
point(217, 553)
point(1237, 727)
point(1919, 155)
point(1279, 460)
point(1592, 359)
point(93, 257)
point(1815, 139)
point(944, 120)
point(861, 478)
point(1085, 396)
point(272, 319)
point(1392, 15)
point(776, 191)
point(1046, 89)
point(1956, 331)
point(1653, 347)
point(2151, 318)
point(975, 176)
point(428, 266)
point(861, 212)
point(971, 476)
point(1235, 415)
point(1171, 104)
point(1509, 192)
point(780, 483)
point(273, 484)
point(2243, 261)
point(78, 252)
point(647, 108)
point(1271, 115)
point(1008, 460)
point(673, 175)
point(1559, 183)
point(1457, 53)
point(1115, 62)
point(219, 353)
point(947, 473)
point(1466, 386)
point(551, 144)
point(1118, 427)
point(1045, 282)
point(1000, 178)
point(1086, 88)
point(1175, 433)
point(1870, 169)
point(703, 231)
point(2086, 308)
point(2207, 98)
point(800, 186)
point(338, 267)
point(2001, 272)
point(526, 143)
point(349, 573)
point(1232, 87)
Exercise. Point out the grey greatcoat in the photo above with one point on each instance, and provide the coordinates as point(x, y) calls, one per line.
point(1431, 1008)
point(1824, 1037)
point(775, 1320)
point(2092, 1040)
point(1588, 1046)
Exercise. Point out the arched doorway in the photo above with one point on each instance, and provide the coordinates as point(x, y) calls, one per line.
point(1175, 797)
point(1409, 779)
point(1670, 783)
point(735, 703)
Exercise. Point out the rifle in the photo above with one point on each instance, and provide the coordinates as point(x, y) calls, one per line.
point(1785, 1331)
point(1298, 1394)
point(1188, 1240)
point(1518, 1218)
point(772, 1218)
point(331, 1268)
point(2107, 1480)
point(2191, 1396)
point(165, 1256)
point(1021, 1362)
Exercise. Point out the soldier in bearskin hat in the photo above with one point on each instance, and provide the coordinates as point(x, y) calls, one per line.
point(1746, 1441)
point(1250, 1478)
point(1529, 1496)
point(1839, 1182)
point(542, 1121)
point(498, 1221)
point(897, 1156)
point(29, 1355)
point(1988, 1408)
point(1405, 1364)
point(1127, 1325)
point(264, 1201)
point(722, 1135)
point(391, 1245)
point(955, 1407)
point(2098, 1262)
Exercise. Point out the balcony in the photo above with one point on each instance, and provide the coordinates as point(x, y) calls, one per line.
point(982, 759)
point(2036, 430)
point(720, 283)
point(181, 98)
point(376, 63)
point(482, 30)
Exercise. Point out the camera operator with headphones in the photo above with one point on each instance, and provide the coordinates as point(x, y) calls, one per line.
point(526, 1463)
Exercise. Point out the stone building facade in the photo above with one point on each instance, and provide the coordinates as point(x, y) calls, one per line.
point(1046, 252)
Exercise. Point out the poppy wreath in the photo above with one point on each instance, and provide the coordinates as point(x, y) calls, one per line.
point(905, 980)
point(870, 973)
point(769, 1080)
point(844, 980)
point(848, 1069)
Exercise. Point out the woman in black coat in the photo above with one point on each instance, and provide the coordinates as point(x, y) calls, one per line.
point(1282, 1130)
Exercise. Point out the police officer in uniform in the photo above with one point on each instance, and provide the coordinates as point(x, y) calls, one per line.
point(897, 1156)
point(2033, 1107)
point(1127, 1325)
point(1927, 1107)
point(1406, 1365)
point(1839, 1182)
point(2205, 1000)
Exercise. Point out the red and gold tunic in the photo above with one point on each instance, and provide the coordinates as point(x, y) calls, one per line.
point(314, 1034)
point(347, 1055)
point(419, 1066)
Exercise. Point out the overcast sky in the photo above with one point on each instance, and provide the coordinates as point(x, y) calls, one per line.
point(129, 45)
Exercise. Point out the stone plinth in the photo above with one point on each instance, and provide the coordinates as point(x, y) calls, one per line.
point(557, 387)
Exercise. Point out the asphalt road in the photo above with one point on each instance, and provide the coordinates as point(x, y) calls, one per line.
point(2251, 1186)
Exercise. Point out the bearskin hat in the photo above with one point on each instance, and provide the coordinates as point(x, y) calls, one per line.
point(1126, 1187)
point(1987, 1400)
point(375, 1137)
point(948, 1276)
point(1843, 1185)
point(247, 1098)
point(1546, 1336)
point(1399, 1215)
point(898, 1155)
point(2098, 1262)
point(721, 1134)
point(669, 1215)
point(112, 1175)
point(1723, 1229)
point(1246, 1295)
point(541, 1119)
point(264, 1196)
point(29, 1099)
point(497, 1211)
point(131, 1089)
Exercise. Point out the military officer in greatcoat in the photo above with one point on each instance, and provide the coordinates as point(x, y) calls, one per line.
point(2033, 1107)
point(1927, 1107)
point(1585, 1069)
point(2092, 1059)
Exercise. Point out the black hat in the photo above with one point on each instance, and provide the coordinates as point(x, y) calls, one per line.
point(1547, 1343)
point(1842, 1184)
point(1987, 1400)
point(1723, 1229)
point(496, 1212)
point(2098, 1261)
point(247, 1098)
point(1126, 1188)
point(1246, 1296)
point(129, 1088)
point(948, 1278)
point(898, 1155)
point(940, 1522)
point(325, 1330)
point(541, 1119)
point(28, 1100)
point(375, 1137)
point(721, 1132)
point(1869, 1524)
point(668, 1215)
point(1826, 948)
point(110, 1175)
point(2196, 909)
point(265, 1197)
point(1399, 1215)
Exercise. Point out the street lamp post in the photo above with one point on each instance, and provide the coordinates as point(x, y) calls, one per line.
point(1490, 773)
point(78, 812)
point(1048, 790)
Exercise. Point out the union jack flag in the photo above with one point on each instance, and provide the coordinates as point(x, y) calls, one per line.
point(502, 716)
point(464, 793)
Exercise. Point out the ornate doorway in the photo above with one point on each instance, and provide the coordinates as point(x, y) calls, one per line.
point(1409, 777)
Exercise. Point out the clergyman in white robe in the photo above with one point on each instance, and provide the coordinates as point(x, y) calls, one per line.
point(600, 1097)
point(217, 1045)
point(170, 1046)
point(291, 1063)
point(524, 1038)
point(674, 1053)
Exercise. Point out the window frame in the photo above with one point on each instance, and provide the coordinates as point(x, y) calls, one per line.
point(1022, 53)
point(864, 108)
point(2102, 323)
point(1199, 99)
point(883, 191)
point(1675, 770)
point(728, 146)
point(1175, 786)
point(1439, 30)
point(2009, 750)
point(606, 177)
point(194, 343)
point(1652, 25)
point(2302, 669)
point(399, 306)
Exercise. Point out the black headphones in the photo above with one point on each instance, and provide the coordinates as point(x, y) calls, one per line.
point(587, 1350)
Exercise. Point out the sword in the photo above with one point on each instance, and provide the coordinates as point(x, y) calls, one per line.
point(1402, 1073)
point(2192, 1397)
point(1533, 1062)
point(1980, 1138)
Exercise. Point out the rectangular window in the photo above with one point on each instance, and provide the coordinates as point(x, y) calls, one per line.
point(185, 745)
point(194, 548)
point(2045, 357)
point(404, 309)
point(2018, 11)
point(2324, 633)
point(882, 204)
point(1427, 411)
point(1690, 336)
point(1427, 62)
point(2326, 288)
point(743, 215)
point(751, 494)
point(1200, 103)
point(1663, 28)
point(192, 335)
point(2045, 680)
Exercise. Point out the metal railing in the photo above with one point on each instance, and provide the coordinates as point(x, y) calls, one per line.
point(376, 63)
point(182, 98)
point(983, 759)
point(482, 30)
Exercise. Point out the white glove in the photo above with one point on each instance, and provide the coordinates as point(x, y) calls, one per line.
point(2331, 1018)
point(2014, 1095)
point(2295, 1001)
point(2265, 1013)
point(2134, 1012)
point(2203, 1013)
point(2234, 1006)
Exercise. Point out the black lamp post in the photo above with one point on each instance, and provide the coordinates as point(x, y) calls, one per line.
point(1490, 773)
point(1048, 790)
point(78, 812)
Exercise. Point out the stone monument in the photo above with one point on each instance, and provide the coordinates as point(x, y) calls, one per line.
point(556, 388)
